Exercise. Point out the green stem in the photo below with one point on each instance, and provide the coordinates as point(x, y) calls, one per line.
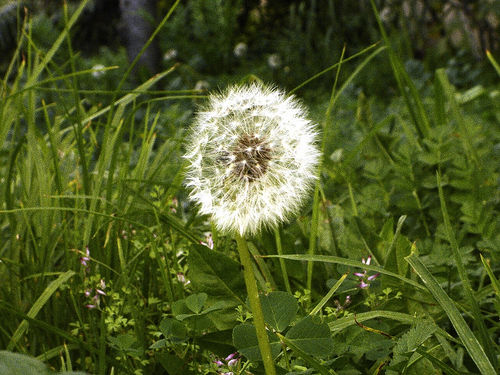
point(282, 261)
point(253, 297)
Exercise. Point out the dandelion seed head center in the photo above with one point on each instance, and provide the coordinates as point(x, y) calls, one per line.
point(249, 158)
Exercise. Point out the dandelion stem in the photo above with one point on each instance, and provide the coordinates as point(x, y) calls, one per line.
point(253, 297)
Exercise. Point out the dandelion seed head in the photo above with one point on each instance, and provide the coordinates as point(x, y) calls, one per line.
point(252, 158)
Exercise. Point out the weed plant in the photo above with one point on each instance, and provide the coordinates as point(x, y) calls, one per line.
point(106, 267)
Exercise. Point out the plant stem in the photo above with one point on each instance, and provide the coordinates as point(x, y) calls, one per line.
point(282, 261)
point(253, 297)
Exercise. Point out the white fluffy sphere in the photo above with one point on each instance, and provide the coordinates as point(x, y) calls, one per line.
point(252, 158)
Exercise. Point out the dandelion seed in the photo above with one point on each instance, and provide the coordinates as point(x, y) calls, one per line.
point(252, 158)
point(240, 50)
point(170, 54)
point(202, 85)
point(274, 61)
point(97, 70)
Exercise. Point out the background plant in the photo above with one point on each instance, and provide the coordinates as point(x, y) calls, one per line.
point(409, 177)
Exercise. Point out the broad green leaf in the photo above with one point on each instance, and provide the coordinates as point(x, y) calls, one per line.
point(174, 364)
point(217, 275)
point(311, 337)
point(195, 302)
point(279, 309)
point(20, 364)
point(245, 340)
point(311, 361)
point(220, 342)
point(173, 329)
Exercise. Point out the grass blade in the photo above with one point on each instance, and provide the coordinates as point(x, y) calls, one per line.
point(484, 337)
point(37, 306)
point(346, 262)
point(329, 295)
point(468, 339)
point(493, 61)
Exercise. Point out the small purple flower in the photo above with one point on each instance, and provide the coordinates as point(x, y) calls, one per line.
point(86, 258)
point(90, 307)
point(363, 285)
point(364, 279)
point(230, 361)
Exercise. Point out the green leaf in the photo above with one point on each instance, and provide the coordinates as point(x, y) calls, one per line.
point(220, 342)
point(126, 343)
point(195, 302)
point(20, 364)
point(173, 329)
point(311, 337)
point(410, 342)
point(470, 341)
point(217, 275)
point(311, 361)
point(279, 309)
point(174, 364)
point(245, 340)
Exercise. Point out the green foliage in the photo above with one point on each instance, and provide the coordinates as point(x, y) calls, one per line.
point(311, 337)
point(106, 267)
point(245, 341)
point(279, 309)
point(21, 364)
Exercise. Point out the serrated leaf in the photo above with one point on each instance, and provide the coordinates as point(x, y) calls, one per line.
point(312, 337)
point(245, 340)
point(195, 302)
point(415, 337)
point(279, 309)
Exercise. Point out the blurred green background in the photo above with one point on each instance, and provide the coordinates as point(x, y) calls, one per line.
point(284, 41)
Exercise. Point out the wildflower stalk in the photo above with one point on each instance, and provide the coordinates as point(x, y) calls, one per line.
point(253, 297)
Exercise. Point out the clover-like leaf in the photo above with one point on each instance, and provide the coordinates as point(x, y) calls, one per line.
point(245, 340)
point(279, 309)
point(312, 337)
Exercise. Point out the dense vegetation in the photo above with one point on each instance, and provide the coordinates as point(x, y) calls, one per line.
point(391, 266)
